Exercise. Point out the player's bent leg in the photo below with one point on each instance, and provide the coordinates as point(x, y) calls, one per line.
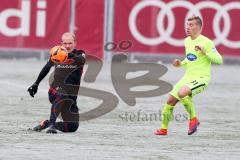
point(184, 91)
point(172, 100)
point(67, 126)
point(189, 106)
point(70, 116)
point(57, 105)
point(166, 116)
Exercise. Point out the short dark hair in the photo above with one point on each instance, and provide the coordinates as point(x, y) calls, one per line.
point(198, 20)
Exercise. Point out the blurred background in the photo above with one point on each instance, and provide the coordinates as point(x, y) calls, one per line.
point(146, 30)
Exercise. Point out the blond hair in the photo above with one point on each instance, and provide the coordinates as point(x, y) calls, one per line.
point(69, 34)
point(197, 18)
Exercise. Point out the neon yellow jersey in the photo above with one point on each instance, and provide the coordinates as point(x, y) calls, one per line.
point(196, 63)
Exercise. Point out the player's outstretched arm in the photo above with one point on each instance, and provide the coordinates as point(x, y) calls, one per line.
point(33, 88)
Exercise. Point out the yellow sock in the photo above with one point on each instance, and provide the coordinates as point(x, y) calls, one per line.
point(189, 106)
point(166, 115)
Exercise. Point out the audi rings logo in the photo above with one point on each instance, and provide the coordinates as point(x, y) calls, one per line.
point(165, 35)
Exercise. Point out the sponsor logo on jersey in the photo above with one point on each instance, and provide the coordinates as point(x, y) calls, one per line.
point(191, 57)
point(66, 66)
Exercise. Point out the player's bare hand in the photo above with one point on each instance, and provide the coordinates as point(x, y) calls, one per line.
point(176, 63)
point(201, 49)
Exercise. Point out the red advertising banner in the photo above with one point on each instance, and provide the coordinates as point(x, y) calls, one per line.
point(89, 19)
point(39, 24)
point(156, 26)
point(33, 23)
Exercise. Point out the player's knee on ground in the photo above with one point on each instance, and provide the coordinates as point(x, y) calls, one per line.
point(67, 126)
point(184, 91)
point(172, 100)
point(73, 126)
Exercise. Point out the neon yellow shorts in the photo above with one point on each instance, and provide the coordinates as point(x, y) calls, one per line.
point(196, 84)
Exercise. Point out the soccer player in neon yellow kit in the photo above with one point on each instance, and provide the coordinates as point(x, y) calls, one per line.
point(200, 53)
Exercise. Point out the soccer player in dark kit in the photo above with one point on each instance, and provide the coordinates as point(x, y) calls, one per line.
point(64, 87)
